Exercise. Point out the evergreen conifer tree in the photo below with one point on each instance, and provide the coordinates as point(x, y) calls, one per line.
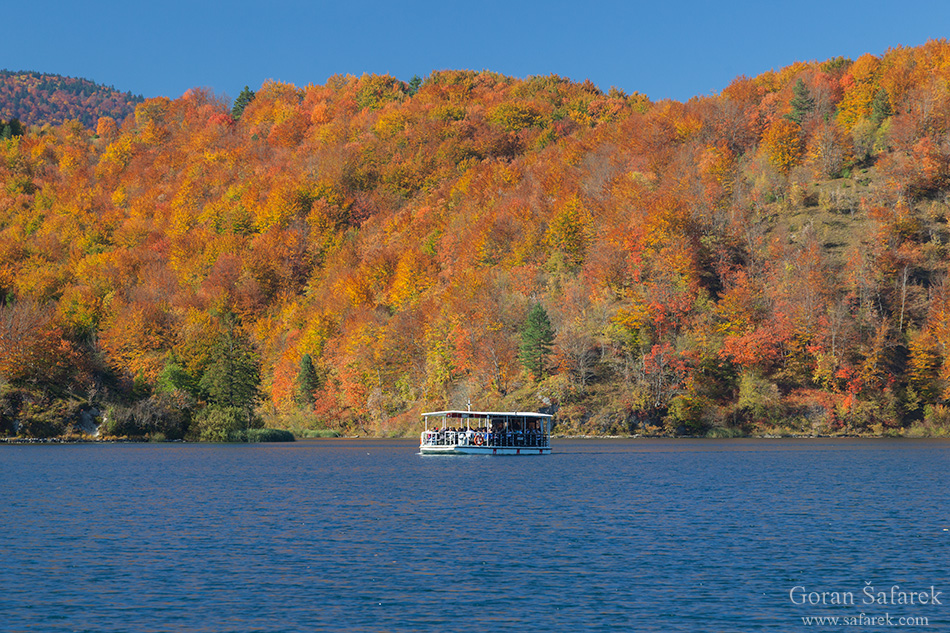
point(232, 379)
point(11, 129)
point(880, 107)
point(243, 100)
point(802, 102)
point(537, 336)
point(307, 381)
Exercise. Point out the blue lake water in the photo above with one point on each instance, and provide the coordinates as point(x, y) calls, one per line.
point(355, 535)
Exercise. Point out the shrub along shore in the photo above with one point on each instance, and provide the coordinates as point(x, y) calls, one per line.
point(264, 435)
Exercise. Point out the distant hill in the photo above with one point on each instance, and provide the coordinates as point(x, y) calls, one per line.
point(772, 260)
point(37, 98)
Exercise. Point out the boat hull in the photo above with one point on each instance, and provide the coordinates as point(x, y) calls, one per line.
point(455, 449)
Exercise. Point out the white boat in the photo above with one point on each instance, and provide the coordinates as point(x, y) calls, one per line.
point(485, 433)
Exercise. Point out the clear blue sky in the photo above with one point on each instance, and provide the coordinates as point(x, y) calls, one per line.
point(663, 49)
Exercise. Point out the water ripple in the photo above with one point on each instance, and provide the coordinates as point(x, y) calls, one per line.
point(370, 536)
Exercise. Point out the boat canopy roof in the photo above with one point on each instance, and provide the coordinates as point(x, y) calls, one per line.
point(485, 414)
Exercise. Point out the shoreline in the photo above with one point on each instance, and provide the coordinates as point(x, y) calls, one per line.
point(767, 436)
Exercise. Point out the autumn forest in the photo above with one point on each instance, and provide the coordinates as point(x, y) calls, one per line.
point(769, 260)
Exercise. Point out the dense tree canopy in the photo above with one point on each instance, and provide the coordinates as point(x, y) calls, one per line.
point(43, 98)
point(770, 259)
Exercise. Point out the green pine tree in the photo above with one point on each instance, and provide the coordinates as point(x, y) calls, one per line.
point(233, 377)
point(307, 381)
point(880, 107)
point(11, 128)
point(537, 337)
point(802, 102)
point(243, 100)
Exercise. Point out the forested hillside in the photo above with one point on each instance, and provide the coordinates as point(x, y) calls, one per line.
point(772, 259)
point(40, 98)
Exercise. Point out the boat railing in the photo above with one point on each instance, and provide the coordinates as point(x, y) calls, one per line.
point(490, 439)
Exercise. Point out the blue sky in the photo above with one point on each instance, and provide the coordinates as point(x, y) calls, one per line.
point(663, 49)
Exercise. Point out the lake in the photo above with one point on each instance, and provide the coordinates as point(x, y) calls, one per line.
point(363, 535)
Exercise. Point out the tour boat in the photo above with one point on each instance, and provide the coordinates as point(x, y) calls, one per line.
point(485, 433)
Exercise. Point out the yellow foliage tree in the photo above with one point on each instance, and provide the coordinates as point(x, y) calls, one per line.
point(924, 364)
point(411, 279)
point(515, 116)
point(861, 84)
point(783, 145)
point(571, 230)
point(828, 150)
